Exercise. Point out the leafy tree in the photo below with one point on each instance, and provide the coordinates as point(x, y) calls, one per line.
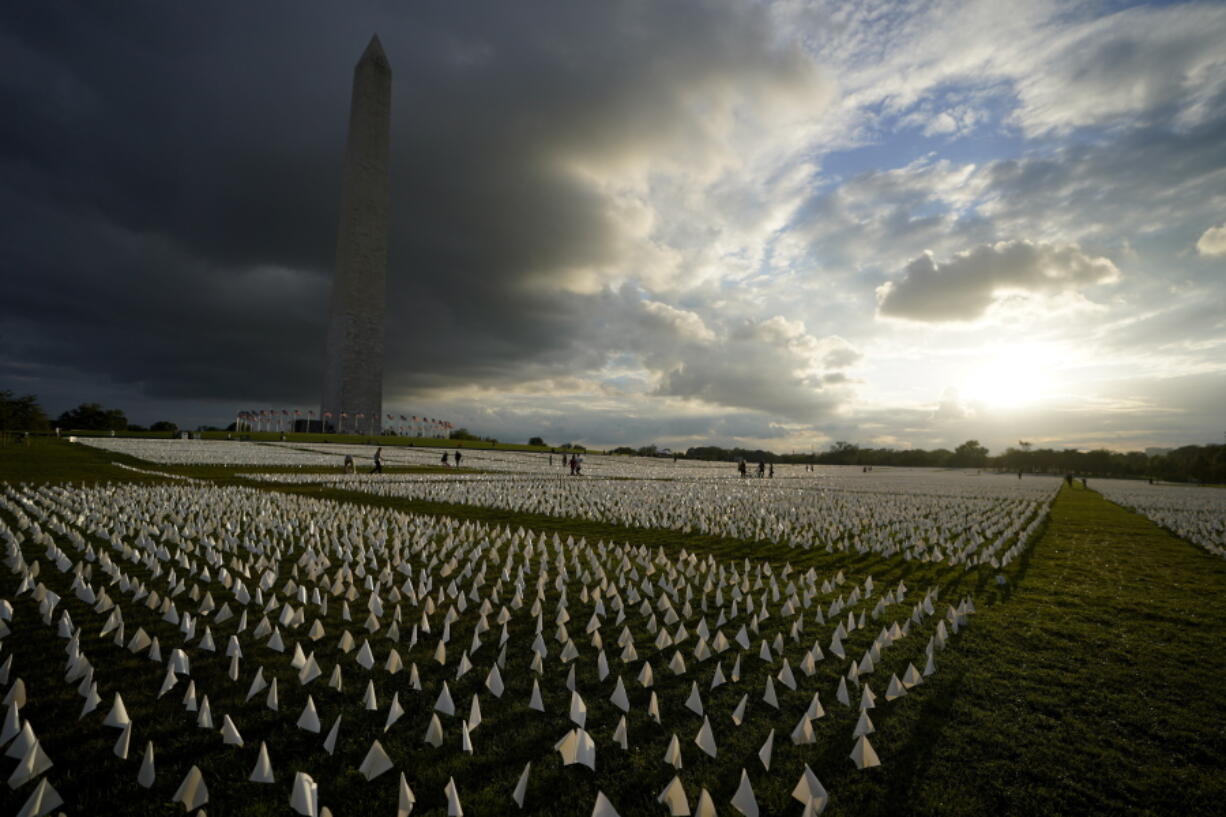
point(970, 455)
point(537, 441)
point(21, 413)
point(93, 417)
point(164, 425)
point(464, 434)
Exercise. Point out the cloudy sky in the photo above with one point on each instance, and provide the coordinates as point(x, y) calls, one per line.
point(771, 224)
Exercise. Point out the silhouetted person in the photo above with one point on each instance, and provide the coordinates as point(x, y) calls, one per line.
point(446, 459)
point(457, 459)
point(761, 468)
point(741, 469)
point(349, 469)
point(378, 469)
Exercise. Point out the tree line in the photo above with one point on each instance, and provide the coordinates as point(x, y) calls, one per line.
point(25, 414)
point(1189, 463)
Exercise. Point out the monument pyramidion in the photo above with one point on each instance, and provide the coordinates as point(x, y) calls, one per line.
point(353, 354)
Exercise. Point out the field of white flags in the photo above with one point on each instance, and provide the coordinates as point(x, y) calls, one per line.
point(243, 651)
point(959, 517)
point(929, 516)
point(1196, 514)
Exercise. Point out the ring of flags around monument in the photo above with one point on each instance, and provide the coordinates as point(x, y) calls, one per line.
point(285, 420)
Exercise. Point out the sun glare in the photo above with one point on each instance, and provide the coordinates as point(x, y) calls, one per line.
point(1011, 377)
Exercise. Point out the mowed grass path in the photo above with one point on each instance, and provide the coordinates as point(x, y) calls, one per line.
point(1098, 687)
point(1094, 683)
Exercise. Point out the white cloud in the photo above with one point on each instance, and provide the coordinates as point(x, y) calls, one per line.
point(688, 325)
point(1213, 241)
point(964, 287)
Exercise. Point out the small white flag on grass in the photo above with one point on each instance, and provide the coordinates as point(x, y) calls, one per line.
point(147, 773)
point(769, 695)
point(694, 702)
point(258, 684)
point(205, 717)
point(535, 702)
point(407, 799)
point(768, 746)
point(809, 791)
point(863, 755)
point(744, 801)
point(493, 682)
point(619, 697)
point(706, 805)
point(864, 726)
point(434, 732)
point(444, 703)
point(369, 702)
point(309, 719)
point(602, 807)
point(262, 771)
point(229, 732)
point(895, 689)
point(674, 798)
point(118, 716)
point(33, 763)
point(454, 809)
point(578, 709)
point(304, 799)
point(738, 714)
point(521, 788)
point(619, 734)
point(672, 755)
point(803, 735)
point(42, 801)
point(376, 762)
point(121, 745)
point(394, 711)
point(841, 696)
point(577, 747)
point(474, 713)
point(705, 739)
point(192, 792)
point(330, 741)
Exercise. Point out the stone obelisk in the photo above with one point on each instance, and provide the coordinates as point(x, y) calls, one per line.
point(353, 356)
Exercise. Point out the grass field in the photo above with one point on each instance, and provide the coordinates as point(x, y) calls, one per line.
point(1091, 682)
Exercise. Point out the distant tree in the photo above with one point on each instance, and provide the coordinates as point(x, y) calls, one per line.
point(536, 441)
point(622, 449)
point(93, 417)
point(648, 451)
point(21, 413)
point(134, 427)
point(463, 434)
point(163, 425)
point(842, 453)
point(970, 455)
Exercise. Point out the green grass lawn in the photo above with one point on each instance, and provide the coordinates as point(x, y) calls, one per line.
point(1092, 682)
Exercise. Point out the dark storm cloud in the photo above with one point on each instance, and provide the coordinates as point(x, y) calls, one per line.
point(171, 174)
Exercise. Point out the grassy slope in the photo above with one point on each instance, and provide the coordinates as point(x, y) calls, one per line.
point(1096, 689)
point(1093, 687)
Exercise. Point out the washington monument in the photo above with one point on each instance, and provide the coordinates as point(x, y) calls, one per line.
point(353, 355)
